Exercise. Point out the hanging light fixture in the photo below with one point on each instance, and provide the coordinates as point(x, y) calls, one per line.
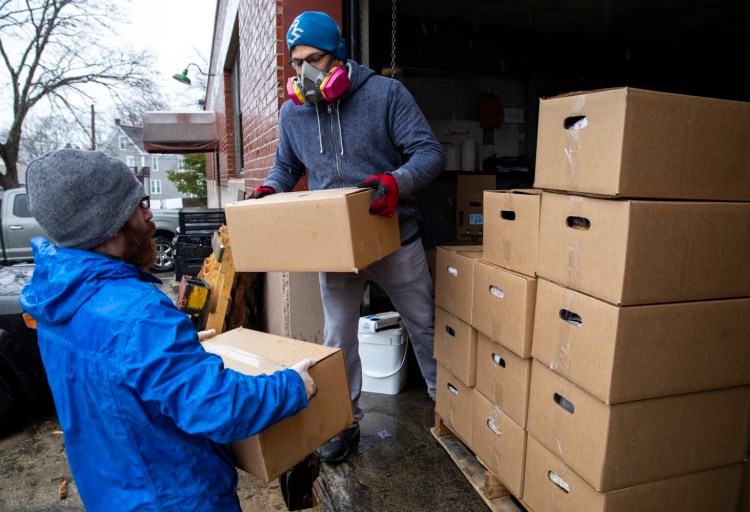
point(183, 77)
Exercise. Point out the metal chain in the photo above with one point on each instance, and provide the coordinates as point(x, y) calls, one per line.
point(393, 39)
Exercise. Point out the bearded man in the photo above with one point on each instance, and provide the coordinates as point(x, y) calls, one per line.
point(143, 407)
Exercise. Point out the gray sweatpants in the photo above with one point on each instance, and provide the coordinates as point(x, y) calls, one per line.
point(405, 277)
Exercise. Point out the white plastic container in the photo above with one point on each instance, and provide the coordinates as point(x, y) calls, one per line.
point(383, 356)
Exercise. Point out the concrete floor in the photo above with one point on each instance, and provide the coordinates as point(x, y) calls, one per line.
point(399, 466)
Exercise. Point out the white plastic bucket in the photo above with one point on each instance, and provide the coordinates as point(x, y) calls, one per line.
point(383, 355)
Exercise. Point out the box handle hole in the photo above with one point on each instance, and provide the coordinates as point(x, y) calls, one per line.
point(453, 389)
point(497, 292)
point(450, 330)
point(498, 360)
point(507, 215)
point(581, 223)
point(453, 271)
point(571, 318)
point(564, 403)
point(558, 481)
point(493, 426)
point(575, 122)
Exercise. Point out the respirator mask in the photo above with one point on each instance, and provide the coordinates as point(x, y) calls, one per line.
point(314, 85)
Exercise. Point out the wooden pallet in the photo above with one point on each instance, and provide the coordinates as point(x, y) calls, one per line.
point(497, 497)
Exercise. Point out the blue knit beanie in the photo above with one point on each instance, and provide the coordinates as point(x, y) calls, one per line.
point(319, 30)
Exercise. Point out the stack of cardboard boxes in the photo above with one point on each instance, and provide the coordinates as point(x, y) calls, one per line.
point(485, 298)
point(638, 396)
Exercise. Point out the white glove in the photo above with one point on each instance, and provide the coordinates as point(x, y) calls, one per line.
point(302, 368)
point(204, 335)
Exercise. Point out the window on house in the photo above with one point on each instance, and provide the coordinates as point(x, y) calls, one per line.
point(155, 187)
point(123, 142)
point(154, 163)
point(130, 161)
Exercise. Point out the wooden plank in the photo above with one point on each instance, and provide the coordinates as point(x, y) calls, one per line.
point(475, 472)
point(220, 277)
point(441, 429)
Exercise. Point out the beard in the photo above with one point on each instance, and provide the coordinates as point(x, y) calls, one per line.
point(140, 247)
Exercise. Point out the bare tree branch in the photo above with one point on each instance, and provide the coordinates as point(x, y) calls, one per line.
point(61, 51)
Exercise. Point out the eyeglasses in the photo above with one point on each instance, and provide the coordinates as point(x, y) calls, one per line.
point(314, 59)
point(145, 202)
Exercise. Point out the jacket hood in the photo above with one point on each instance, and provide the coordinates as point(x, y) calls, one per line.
point(64, 279)
point(358, 75)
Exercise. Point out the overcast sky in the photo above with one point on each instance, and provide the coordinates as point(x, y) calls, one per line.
point(177, 32)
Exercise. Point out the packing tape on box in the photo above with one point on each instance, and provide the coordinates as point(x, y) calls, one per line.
point(574, 220)
point(561, 359)
point(238, 355)
point(496, 296)
point(564, 407)
point(578, 122)
point(497, 359)
point(506, 246)
point(493, 421)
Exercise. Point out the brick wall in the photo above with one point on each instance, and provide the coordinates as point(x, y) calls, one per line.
point(263, 75)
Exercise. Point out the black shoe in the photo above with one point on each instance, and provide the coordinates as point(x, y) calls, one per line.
point(336, 450)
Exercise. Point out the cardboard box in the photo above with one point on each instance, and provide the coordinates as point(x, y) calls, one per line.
point(511, 229)
point(551, 486)
point(470, 204)
point(454, 404)
point(499, 444)
point(635, 143)
point(621, 354)
point(454, 279)
point(271, 452)
point(379, 321)
point(621, 445)
point(645, 252)
point(503, 378)
point(503, 306)
point(310, 231)
point(456, 346)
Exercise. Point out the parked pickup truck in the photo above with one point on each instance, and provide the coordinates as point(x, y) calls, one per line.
point(18, 227)
point(23, 381)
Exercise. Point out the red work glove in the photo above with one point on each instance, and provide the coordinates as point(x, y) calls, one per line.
point(385, 202)
point(261, 192)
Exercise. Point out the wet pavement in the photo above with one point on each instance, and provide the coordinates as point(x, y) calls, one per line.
point(399, 466)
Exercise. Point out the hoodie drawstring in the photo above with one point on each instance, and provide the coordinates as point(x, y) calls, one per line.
point(338, 117)
point(320, 135)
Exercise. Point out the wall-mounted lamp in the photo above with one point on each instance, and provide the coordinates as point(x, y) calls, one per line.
point(183, 78)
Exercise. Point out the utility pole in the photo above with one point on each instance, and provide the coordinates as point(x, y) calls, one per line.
point(93, 129)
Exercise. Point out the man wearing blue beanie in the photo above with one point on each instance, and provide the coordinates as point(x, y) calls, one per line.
point(352, 128)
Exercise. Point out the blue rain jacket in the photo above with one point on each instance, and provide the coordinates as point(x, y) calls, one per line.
point(143, 407)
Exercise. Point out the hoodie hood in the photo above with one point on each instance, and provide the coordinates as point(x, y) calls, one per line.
point(358, 75)
point(64, 279)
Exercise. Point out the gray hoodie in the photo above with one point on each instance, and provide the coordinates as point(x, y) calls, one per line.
point(376, 127)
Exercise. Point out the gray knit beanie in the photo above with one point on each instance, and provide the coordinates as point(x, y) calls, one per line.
point(81, 198)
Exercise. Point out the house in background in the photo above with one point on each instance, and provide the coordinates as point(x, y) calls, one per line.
point(126, 144)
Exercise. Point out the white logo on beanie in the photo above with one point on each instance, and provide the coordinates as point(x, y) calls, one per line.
point(295, 32)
